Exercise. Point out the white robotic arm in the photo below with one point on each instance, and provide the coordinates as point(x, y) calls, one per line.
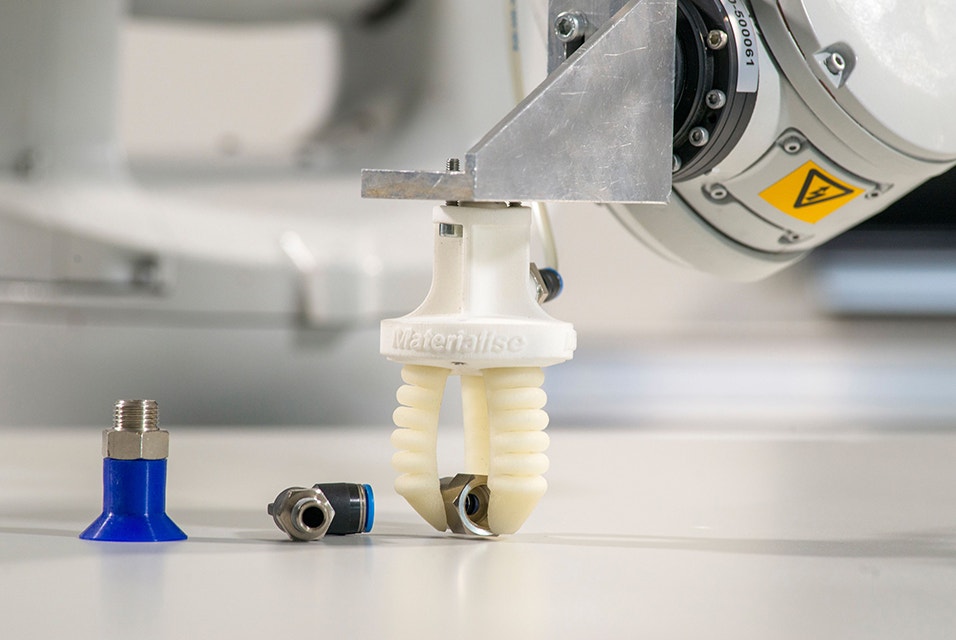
point(849, 115)
point(729, 136)
point(779, 125)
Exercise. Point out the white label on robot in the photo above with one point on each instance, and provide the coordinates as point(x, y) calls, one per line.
point(457, 342)
point(745, 36)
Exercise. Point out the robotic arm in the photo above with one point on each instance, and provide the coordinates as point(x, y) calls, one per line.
point(779, 125)
point(848, 115)
point(729, 136)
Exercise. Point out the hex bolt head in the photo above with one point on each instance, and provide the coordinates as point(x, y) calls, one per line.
point(699, 136)
point(790, 237)
point(570, 25)
point(716, 99)
point(135, 445)
point(717, 39)
point(792, 145)
point(835, 63)
point(466, 498)
point(136, 434)
point(717, 191)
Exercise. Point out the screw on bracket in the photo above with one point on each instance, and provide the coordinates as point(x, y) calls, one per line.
point(717, 39)
point(570, 26)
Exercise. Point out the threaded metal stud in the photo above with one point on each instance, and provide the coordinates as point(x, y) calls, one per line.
point(136, 415)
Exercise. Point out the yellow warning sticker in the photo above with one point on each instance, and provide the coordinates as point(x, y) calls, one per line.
point(810, 193)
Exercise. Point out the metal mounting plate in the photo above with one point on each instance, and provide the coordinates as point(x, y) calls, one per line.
point(598, 129)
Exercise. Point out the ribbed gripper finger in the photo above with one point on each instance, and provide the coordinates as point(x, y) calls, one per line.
point(513, 377)
point(423, 493)
point(520, 464)
point(411, 440)
point(412, 396)
point(513, 486)
point(428, 377)
point(414, 418)
point(521, 398)
point(521, 442)
point(414, 462)
point(530, 420)
point(415, 484)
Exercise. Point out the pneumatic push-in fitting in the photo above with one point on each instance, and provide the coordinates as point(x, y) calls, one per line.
point(134, 478)
point(335, 508)
point(481, 320)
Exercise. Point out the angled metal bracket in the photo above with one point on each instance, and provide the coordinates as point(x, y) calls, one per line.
point(598, 129)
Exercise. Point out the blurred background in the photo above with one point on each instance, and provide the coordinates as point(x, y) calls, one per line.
point(224, 264)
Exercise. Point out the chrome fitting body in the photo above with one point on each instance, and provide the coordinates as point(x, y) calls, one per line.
point(136, 434)
point(466, 497)
point(303, 514)
point(333, 508)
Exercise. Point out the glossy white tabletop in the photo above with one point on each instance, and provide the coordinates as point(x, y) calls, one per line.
point(643, 534)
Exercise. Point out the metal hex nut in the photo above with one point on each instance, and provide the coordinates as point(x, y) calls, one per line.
point(135, 445)
point(466, 498)
point(303, 514)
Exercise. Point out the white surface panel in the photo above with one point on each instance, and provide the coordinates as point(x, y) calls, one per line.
point(904, 65)
point(644, 534)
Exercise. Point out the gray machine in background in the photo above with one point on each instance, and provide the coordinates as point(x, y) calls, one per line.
point(120, 276)
point(779, 125)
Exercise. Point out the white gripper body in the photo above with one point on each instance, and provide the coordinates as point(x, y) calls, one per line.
point(481, 320)
point(504, 439)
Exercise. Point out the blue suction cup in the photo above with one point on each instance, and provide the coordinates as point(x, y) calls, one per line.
point(134, 504)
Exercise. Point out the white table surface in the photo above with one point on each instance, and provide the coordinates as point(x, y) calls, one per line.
point(643, 534)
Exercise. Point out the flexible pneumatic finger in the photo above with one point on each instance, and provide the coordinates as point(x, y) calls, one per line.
point(416, 439)
point(516, 424)
point(475, 411)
